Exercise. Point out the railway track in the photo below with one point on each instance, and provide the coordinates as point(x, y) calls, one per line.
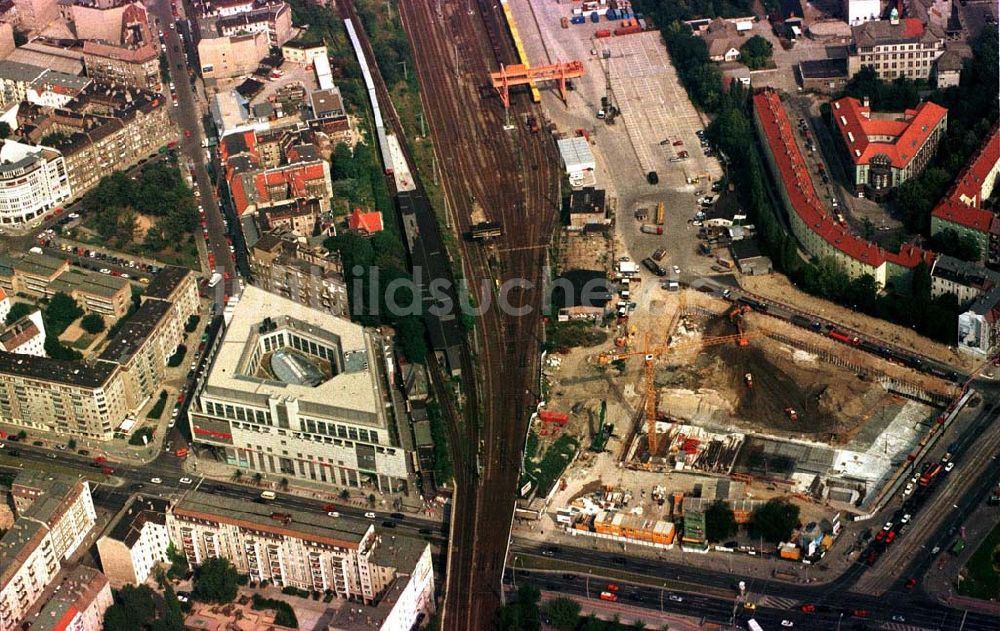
point(511, 175)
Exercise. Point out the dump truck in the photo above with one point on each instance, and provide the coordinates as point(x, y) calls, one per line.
point(649, 228)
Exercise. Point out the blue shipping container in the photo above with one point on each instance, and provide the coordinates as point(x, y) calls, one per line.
point(577, 19)
point(594, 17)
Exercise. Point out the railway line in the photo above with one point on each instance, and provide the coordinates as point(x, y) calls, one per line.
point(510, 175)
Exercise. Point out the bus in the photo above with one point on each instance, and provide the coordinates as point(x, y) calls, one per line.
point(267, 495)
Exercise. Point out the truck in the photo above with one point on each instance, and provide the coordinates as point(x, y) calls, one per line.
point(929, 475)
point(649, 228)
point(724, 263)
point(654, 267)
point(841, 337)
point(214, 280)
point(661, 213)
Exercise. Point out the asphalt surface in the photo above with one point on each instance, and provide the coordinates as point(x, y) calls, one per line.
point(188, 117)
point(137, 478)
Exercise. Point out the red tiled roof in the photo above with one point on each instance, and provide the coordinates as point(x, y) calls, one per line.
point(804, 199)
point(909, 135)
point(369, 223)
point(969, 185)
point(912, 27)
point(240, 200)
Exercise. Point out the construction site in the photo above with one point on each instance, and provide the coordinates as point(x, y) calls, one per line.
point(695, 399)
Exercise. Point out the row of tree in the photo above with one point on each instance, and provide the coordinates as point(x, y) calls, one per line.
point(774, 521)
point(525, 614)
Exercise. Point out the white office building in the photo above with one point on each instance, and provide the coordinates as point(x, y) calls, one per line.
point(296, 393)
point(33, 181)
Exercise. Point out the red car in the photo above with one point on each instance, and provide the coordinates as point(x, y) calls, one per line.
point(861, 613)
point(889, 538)
point(911, 583)
point(107, 470)
point(329, 507)
point(880, 536)
point(808, 608)
point(609, 596)
point(872, 557)
point(612, 587)
point(187, 133)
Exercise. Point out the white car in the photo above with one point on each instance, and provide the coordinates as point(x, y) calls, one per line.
point(333, 513)
point(370, 515)
point(171, 424)
point(185, 480)
point(787, 623)
point(898, 618)
point(888, 526)
point(905, 519)
point(105, 270)
point(677, 269)
point(948, 467)
point(909, 489)
point(73, 215)
point(156, 481)
point(675, 598)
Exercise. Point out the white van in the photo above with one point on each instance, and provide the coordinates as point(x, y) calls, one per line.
point(267, 495)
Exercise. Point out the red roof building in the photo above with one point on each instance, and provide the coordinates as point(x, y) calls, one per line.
point(365, 223)
point(816, 228)
point(887, 150)
point(960, 209)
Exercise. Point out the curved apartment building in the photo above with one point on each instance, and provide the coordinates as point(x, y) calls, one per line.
point(33, 181)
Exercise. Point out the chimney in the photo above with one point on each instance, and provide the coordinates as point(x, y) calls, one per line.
point(865, 101)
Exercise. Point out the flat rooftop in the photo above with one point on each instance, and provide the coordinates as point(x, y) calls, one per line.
point(127, 524)
point(75, 279)
point(136, 330)
point(72, 373)
point(354, 391)
point(165, 282)
point(268, 518)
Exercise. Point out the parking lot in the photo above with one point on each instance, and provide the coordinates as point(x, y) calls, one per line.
point(654, 108)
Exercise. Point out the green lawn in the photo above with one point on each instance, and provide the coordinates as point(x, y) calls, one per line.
point(982, 573)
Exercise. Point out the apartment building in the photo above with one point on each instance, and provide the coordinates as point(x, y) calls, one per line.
point(293, 392)
point(33, 182)
point(58, 514)
point(219, 8)
point(135, 541)
point(275, 20)
point(179, 287)
point(25, 336)
point(895, 48)
point(142, 347)
point(887, 149)
point(81, 596)
point(302, 53)
point(312, 277)
point(15, 79)
point(306, 176)
point(961, 208)
point(43, 276)
point(310, 551)
point(66, 398)
point(105, 128)
point(816, 227)
point(224, 57)
point(35, 15)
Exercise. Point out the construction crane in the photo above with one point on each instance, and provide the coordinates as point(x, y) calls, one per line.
point(736, 317)
point(609, 111)
point(649, 355)
point(519, 74)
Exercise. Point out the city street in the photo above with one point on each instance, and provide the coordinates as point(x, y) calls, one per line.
point(188, 116)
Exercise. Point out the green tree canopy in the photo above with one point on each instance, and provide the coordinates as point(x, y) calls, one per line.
point(522, 614)
point(92, 323)
point(774, 521)
point(949, 242)
point(720, 523)
point(756, 52)
point(215, 581)
point(563, 613)
point(17, 311)
point(133, 608)
point(4, 130)
point(60, 313)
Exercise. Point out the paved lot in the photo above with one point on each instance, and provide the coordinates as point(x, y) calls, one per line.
point(655, 107)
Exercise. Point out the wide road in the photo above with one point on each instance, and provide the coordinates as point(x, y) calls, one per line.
point(188, 117)
point(837, 610)
point(137, 478)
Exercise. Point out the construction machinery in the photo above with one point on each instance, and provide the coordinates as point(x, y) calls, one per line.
point(736, 317)
point(519, 74)
point(609, 110)
point(649, 355)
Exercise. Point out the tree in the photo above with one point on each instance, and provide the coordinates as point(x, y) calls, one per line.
point(92, 323)
point(133, 608)
point(237, 475)
point(257, 477)
point(756, 52)
point(775, 520)
point(522, 614)
point(215, 581)
point(563, 613)
point(20, 37)
point(4, 130)
point(17, 311)
point(60, 313)
point(720, 523)
point(410, 335)
point(54, 349)
point(283, 483)
point(179, 566)
point(71, 443)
